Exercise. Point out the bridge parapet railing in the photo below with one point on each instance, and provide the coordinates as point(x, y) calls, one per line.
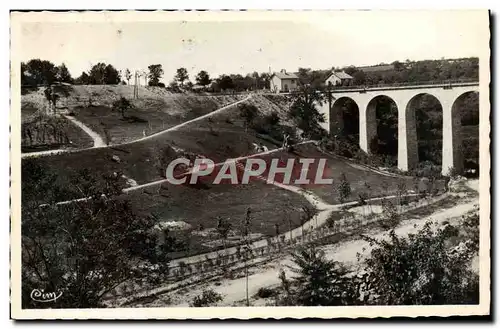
point(406, 84)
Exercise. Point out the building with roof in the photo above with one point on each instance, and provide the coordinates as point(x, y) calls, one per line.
point(339, 79)
point(284, 82)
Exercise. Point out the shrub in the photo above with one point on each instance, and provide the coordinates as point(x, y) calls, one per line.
point(266, 292)
point(272, 119)
point(426, 169)
point(390, 216)
point(320, 282)
point(207, 298)
point(420, 270)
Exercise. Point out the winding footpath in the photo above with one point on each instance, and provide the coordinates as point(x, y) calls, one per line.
point(351, 253)
point(99, 142)
point(163, 181)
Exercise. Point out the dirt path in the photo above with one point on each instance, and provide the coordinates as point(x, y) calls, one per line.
point(174, 128)
point(234, 291)
point(324, 211)
point(99, 142)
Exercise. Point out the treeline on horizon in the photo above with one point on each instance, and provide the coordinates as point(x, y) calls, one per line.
point(38, 72)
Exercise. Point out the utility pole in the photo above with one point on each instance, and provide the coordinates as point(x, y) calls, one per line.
point(135, 84)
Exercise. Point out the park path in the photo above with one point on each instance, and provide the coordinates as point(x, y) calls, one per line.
point(234, 291)
point(177, 127)
point(99, 142)
point(163, 181)
point(346, 252)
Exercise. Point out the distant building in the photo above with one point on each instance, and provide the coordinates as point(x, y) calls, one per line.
point(198, 88)
point(339, 79)
point(284, 82)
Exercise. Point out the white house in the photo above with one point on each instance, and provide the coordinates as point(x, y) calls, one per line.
point(339, 79)
point(284, 82)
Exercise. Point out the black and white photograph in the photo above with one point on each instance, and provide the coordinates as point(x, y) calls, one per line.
point(250, 164)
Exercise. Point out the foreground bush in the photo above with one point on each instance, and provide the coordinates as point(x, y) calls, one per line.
point(426, 268)
point(319, 282)
point(421, 269)
point(207, 298)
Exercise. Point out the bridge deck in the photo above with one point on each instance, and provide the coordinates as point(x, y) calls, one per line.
point(444, 85)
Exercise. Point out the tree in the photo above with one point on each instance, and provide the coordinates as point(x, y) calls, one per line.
point(223, 229)
point(249, 113)
point(304, 111)
point(112, 76)
point(320, 282)
point(203, 79)
point(97, 74)
point(225, 82)
point(246, 234)
point(390, 215)
point(122, 105)
point(308, 213)
point(101, 74)
point(343, 188)
point(48, 95)
point(420, 269)
point(63, 74)
point(82, 250)
point(401, 191)
point(83, 79)
point(38, 72)
point(265, 80)
point(128, 76)
point(51, 98)
point(181, 76)
point(155, 73)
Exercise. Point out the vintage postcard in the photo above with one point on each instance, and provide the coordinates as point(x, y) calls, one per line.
point(250, 164)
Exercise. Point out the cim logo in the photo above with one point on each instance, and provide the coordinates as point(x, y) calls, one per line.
point(39, 295)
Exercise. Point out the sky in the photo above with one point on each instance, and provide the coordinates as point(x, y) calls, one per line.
point(246, 42)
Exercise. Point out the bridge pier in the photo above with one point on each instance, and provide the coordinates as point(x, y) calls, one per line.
point(367, 125)
point(446, 94)
point(407, 136)
point(452, 137)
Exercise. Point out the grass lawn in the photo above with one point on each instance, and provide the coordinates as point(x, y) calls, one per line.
point(42, 129)
point(200, 208)
point(149, 115)
point(216, 138)
point(380, 185)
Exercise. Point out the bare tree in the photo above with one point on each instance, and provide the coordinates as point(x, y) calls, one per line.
point(128, 76)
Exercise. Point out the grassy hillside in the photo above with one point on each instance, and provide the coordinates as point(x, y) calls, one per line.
point(201, 207)
point(357, 176)
point(220, 137)
point(156, 109)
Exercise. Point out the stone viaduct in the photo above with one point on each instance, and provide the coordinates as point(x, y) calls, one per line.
point(404, 96)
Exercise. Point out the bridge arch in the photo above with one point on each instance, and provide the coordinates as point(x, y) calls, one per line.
point(424, 129)
point(344, 118)
point(465, 132)
point(382, 127)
